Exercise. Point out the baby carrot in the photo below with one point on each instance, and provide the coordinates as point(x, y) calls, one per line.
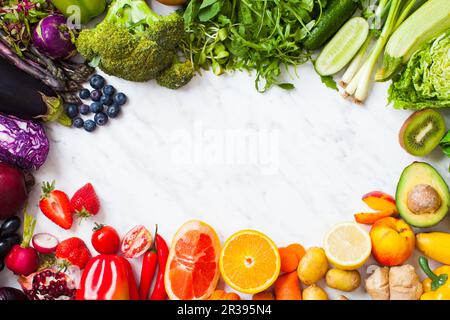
point(289, 260)
point(298, 249)
point(287, 287)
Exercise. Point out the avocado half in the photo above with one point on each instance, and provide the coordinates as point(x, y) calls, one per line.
point(416, 178)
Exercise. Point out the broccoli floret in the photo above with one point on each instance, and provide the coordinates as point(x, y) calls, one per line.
point(177, 75)
point(132, 42)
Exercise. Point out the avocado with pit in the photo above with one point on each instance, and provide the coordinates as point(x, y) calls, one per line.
point(422, 197)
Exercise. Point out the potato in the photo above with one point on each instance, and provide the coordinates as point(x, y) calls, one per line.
point(341, 298)
point(314, 292)
point(313, 266)
point(343, 280)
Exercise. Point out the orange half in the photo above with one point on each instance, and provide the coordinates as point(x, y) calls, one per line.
point(192, 270)
point(249, 262)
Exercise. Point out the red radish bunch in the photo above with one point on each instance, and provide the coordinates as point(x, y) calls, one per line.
point(22, 259)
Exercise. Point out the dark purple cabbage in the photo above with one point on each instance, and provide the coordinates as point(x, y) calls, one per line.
point(23, 143)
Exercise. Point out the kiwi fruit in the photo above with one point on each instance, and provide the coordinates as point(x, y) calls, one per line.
point(422, 132)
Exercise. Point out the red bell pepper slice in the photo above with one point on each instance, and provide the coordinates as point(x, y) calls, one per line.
point(107, 277)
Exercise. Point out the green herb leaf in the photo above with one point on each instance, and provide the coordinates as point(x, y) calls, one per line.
point(445, 144)
point(286, 86)
point(209, 12)
point(329, 82)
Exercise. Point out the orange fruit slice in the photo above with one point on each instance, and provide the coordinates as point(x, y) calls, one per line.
point(249, 262)
point(192, 270)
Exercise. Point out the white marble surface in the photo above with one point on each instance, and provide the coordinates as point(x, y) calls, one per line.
point(324, 154)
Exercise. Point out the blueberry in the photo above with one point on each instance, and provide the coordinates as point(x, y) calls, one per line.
point(113, 111)
point(101, 119)
point(109, 90)
point(84, 94)
point(96, 95)
point(84, 109)
point(89, 125)
point(106, 100)
point(120, 98)
point(97, 82)
point(72, 111)
point(78, 122)
point(96, 107)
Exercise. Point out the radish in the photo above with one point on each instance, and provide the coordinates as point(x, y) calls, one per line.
point(22, 259)
point(44, 243)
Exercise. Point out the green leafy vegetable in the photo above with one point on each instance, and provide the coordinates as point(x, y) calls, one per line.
point(445, 144)
point(426, 81)
point(265, 36)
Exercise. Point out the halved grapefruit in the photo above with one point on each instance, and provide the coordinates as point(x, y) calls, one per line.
point(192, 270)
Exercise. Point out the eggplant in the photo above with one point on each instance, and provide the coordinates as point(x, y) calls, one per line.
point(7, 293)
point(26, 97)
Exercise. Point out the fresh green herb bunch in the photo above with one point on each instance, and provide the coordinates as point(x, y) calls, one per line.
point(260, 35)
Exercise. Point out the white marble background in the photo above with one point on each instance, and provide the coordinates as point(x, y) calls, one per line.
point(325, 153)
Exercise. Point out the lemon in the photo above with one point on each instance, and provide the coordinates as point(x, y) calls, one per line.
point(347, 246)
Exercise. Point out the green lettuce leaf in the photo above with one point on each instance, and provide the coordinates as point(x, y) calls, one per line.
point(425, 83)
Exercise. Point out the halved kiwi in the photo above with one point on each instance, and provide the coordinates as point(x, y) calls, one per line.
point(422, 132)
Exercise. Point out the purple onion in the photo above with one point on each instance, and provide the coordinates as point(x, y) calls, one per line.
point(23, 143)
point(52, 37)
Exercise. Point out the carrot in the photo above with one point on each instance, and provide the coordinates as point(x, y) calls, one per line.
point(266, 295)
point(217, 295)
point(287, 287)
point(289, 260)
point(298, 249)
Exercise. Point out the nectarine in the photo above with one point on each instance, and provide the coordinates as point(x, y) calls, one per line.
point(380, 201)
point(393, 241)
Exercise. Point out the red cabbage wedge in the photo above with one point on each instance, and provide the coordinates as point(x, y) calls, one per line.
point(23, 143)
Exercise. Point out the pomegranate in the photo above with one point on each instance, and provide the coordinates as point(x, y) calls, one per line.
point(48, 284)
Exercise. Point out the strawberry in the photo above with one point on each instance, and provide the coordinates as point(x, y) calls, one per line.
point(55, 205)
point(74, 252)
point(85, 202)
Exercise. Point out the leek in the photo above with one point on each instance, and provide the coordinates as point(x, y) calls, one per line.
point(427, 22)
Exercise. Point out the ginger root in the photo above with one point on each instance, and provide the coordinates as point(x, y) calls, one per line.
point(396, 283)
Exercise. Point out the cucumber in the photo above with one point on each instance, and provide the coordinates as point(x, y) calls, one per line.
point(342, 47)
point(335, 14)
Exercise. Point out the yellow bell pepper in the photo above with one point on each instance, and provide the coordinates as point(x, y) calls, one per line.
point(437, 286)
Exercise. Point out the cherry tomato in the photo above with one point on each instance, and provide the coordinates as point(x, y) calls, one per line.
point(105, 239)
point(136, 242)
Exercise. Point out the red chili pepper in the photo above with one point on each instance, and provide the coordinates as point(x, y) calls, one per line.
point(159, 291)
point(148, 270)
